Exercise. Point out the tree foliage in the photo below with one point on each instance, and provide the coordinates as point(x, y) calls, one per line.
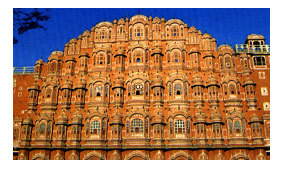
point(28, 19)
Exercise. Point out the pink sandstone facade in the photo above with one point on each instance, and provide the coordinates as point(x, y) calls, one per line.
point(145, 88)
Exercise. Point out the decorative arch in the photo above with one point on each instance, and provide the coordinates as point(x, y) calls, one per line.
point(137, 153)
point(93, 155)
point(240, 156)
point(40, 156)
point(181, 154)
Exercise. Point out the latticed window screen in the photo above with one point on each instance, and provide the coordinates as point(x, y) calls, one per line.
point(171, 126)
point(104, 125)
point(178, 89)
point(95, 127)
point(185, 89)
point(230, 126)
point(179, 127)
point(136, 126)
point(170, 89)
point(106, 90)
point(146, 125)
point(42, 128)
point(237, 127)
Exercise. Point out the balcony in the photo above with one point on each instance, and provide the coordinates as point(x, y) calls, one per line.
point(255, 49)
point(23, 70)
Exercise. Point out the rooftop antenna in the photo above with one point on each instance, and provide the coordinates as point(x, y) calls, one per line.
point(138, 11)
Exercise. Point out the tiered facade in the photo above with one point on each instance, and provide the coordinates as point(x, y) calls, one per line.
point(145, 88)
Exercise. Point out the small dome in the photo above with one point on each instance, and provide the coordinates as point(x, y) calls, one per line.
point(74, 40)
point(158, 116)
point(215, 116)
point(255, 118)
point(117, 117)
point(163, 19)
point(84, 53)
point(156, 20)
point(194, 50)
point(158, 80)
point(118, 81)
point(208, 54)
point(212, 81)
point(197, 80)
point(255, 37)
point(56, 55)
point(199, 32)
point(249, 81)
point(67, 84)
point(223, 49)
point(200, 116)
point(39, 62)
point(62, 119)
point(86, 33)
point(34, 87)
point(206, 36)
point(28, 121)
point(70, 58)
point(81, 84)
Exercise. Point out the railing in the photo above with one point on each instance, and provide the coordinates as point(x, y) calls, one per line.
point(23, 70)
point(256, 49)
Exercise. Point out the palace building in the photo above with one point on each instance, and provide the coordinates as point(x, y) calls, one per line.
point(144, 88)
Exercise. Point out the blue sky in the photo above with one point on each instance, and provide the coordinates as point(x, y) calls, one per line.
point(230, 26)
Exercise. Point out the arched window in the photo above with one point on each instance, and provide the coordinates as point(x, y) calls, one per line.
point(42, 128)
point(179, 127)
point(178, 89)
point(95, 127)
point(48, 93)
point(174, 31)
point(128, 88)
point(101, 59)
point(230, 127)
point(53, 67)
point(106, 91)
point(188, 126)
point(87, 127)
point(138, 89)
point(108, 59)
point(227, 62)
point(186, 89)
point(175, 57)
point(136, 126)
point(146, 126)
point(103, 127)
point(98, 91)
point(232, 89)
point(127, 126)
point(237, 127)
